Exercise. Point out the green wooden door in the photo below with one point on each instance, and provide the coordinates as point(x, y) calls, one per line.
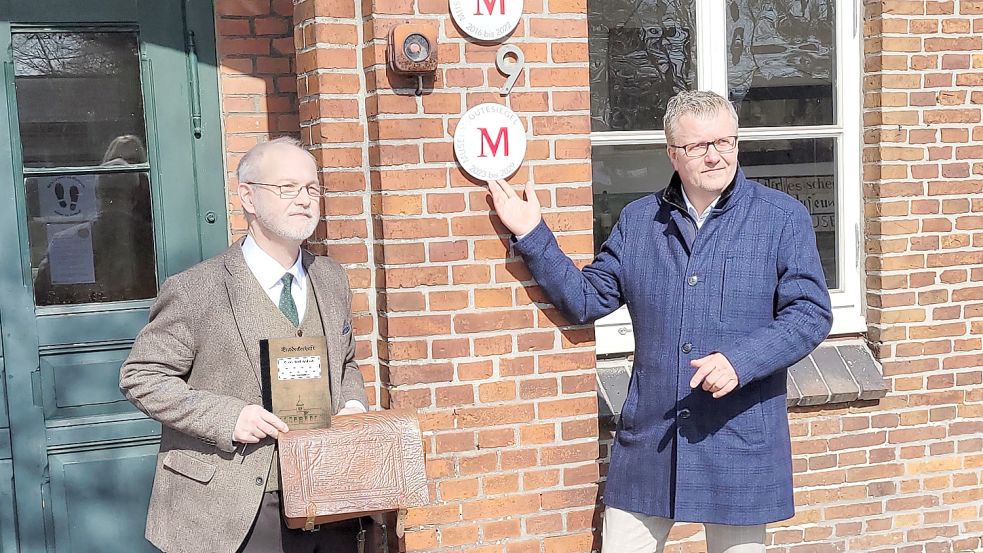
point(114, 181)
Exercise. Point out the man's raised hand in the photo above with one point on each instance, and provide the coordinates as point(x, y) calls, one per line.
point(519, 215)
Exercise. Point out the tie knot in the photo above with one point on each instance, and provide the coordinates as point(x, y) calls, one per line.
point(287, 280)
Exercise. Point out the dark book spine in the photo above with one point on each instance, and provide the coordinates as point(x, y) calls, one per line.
point(264, 373)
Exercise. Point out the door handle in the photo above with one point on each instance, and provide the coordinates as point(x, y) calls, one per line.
point(192, 47)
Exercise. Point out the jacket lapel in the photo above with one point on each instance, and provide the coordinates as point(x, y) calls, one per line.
point(327, 302)
point(251, 329)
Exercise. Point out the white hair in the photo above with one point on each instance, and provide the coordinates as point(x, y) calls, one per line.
point(699, 103)
point(251, 166)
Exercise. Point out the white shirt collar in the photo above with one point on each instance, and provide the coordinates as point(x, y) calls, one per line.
point(699, 217)
point(267, 270)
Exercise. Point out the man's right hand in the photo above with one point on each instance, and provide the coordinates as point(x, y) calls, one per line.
point(256, 423)
point(518, 215)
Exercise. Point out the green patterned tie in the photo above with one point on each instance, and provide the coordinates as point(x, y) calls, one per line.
point(287, 305)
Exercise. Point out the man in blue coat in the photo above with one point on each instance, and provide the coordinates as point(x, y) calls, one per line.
point(725, 290)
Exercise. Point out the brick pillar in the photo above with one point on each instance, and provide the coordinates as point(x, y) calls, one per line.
point(923, 208)
point(504, 386)
point(330, 88)
point(257, 80)
point(506, 389)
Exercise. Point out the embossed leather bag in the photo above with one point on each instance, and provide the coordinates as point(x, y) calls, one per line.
point(364, 464)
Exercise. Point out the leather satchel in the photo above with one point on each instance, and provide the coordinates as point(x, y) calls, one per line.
point(364, 464)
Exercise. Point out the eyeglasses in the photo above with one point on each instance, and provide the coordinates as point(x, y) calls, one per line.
point(289, 191)
point(699, 149)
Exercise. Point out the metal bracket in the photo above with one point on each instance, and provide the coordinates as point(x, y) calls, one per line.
point(311, 515)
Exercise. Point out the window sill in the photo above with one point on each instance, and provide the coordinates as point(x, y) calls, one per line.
point(839, 371)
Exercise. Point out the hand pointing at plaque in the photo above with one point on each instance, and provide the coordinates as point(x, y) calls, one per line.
point(519, 215)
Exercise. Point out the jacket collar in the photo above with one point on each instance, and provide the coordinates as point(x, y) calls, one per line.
point(673, 193)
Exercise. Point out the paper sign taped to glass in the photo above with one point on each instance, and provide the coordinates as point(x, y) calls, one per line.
point(364, 464)
point(296, 386)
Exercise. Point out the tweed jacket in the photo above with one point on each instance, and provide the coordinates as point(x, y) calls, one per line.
point(193, 368)
point(747, 284)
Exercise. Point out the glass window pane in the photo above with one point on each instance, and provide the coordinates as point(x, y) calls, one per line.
point(76, 93)
point(781, 61)
point(806, 169)
point(91, 238)
point(623, 174)
point(803, 168)
point(642, 52)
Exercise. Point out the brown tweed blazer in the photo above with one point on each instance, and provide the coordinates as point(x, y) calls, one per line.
point(193, 368)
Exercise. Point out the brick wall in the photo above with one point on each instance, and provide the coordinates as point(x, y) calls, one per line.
point(506, 392)
point(449, 323)
point(917, 455)
point(330, 88)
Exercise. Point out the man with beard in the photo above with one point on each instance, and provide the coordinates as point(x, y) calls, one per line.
point(725, 290)
point(195, 368)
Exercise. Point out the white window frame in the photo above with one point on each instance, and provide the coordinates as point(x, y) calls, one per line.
point(614, 333)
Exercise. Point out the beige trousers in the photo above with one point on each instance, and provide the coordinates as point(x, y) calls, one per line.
point(626, 532)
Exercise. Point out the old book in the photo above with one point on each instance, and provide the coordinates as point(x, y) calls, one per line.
point(296, 385)
point(364, 464)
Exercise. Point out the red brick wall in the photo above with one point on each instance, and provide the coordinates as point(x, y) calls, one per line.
point(328, 38)
point(258, 81)
point(450, 324)
point(507, 397)
point(911, 466)
point(510, 397)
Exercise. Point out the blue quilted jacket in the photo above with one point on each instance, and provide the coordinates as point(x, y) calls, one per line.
point(748, 284)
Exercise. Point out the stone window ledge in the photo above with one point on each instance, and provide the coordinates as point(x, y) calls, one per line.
point(839, 371)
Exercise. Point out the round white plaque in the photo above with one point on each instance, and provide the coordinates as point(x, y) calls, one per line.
point(486, 19)
point(490, 142)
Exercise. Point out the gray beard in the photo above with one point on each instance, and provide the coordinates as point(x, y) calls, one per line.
point(285, 231)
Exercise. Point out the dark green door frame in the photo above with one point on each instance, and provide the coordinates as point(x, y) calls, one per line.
point(186, 166)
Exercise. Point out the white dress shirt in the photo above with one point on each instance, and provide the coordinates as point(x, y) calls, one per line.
point(700, 218)
point(269, 273)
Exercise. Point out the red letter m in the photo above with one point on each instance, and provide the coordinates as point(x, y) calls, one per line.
point(490, 6)
point(486, 139)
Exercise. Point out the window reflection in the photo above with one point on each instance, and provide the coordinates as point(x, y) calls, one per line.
point(780, 61)
point(91, 235)
point(642, 52)
point(804, 168)
point(76, 92)
point(623, 174)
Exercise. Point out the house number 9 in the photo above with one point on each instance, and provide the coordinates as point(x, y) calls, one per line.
point(512, 69)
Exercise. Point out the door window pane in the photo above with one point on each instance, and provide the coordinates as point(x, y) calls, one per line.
point(781, 61)
point(76, 93)
point(805, 168)
point(623, 174)
point(91, 238)
point(642, 52)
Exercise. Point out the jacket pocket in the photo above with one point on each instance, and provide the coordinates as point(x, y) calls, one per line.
point(747, 290)
point(627, 417)
point(186, 465)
